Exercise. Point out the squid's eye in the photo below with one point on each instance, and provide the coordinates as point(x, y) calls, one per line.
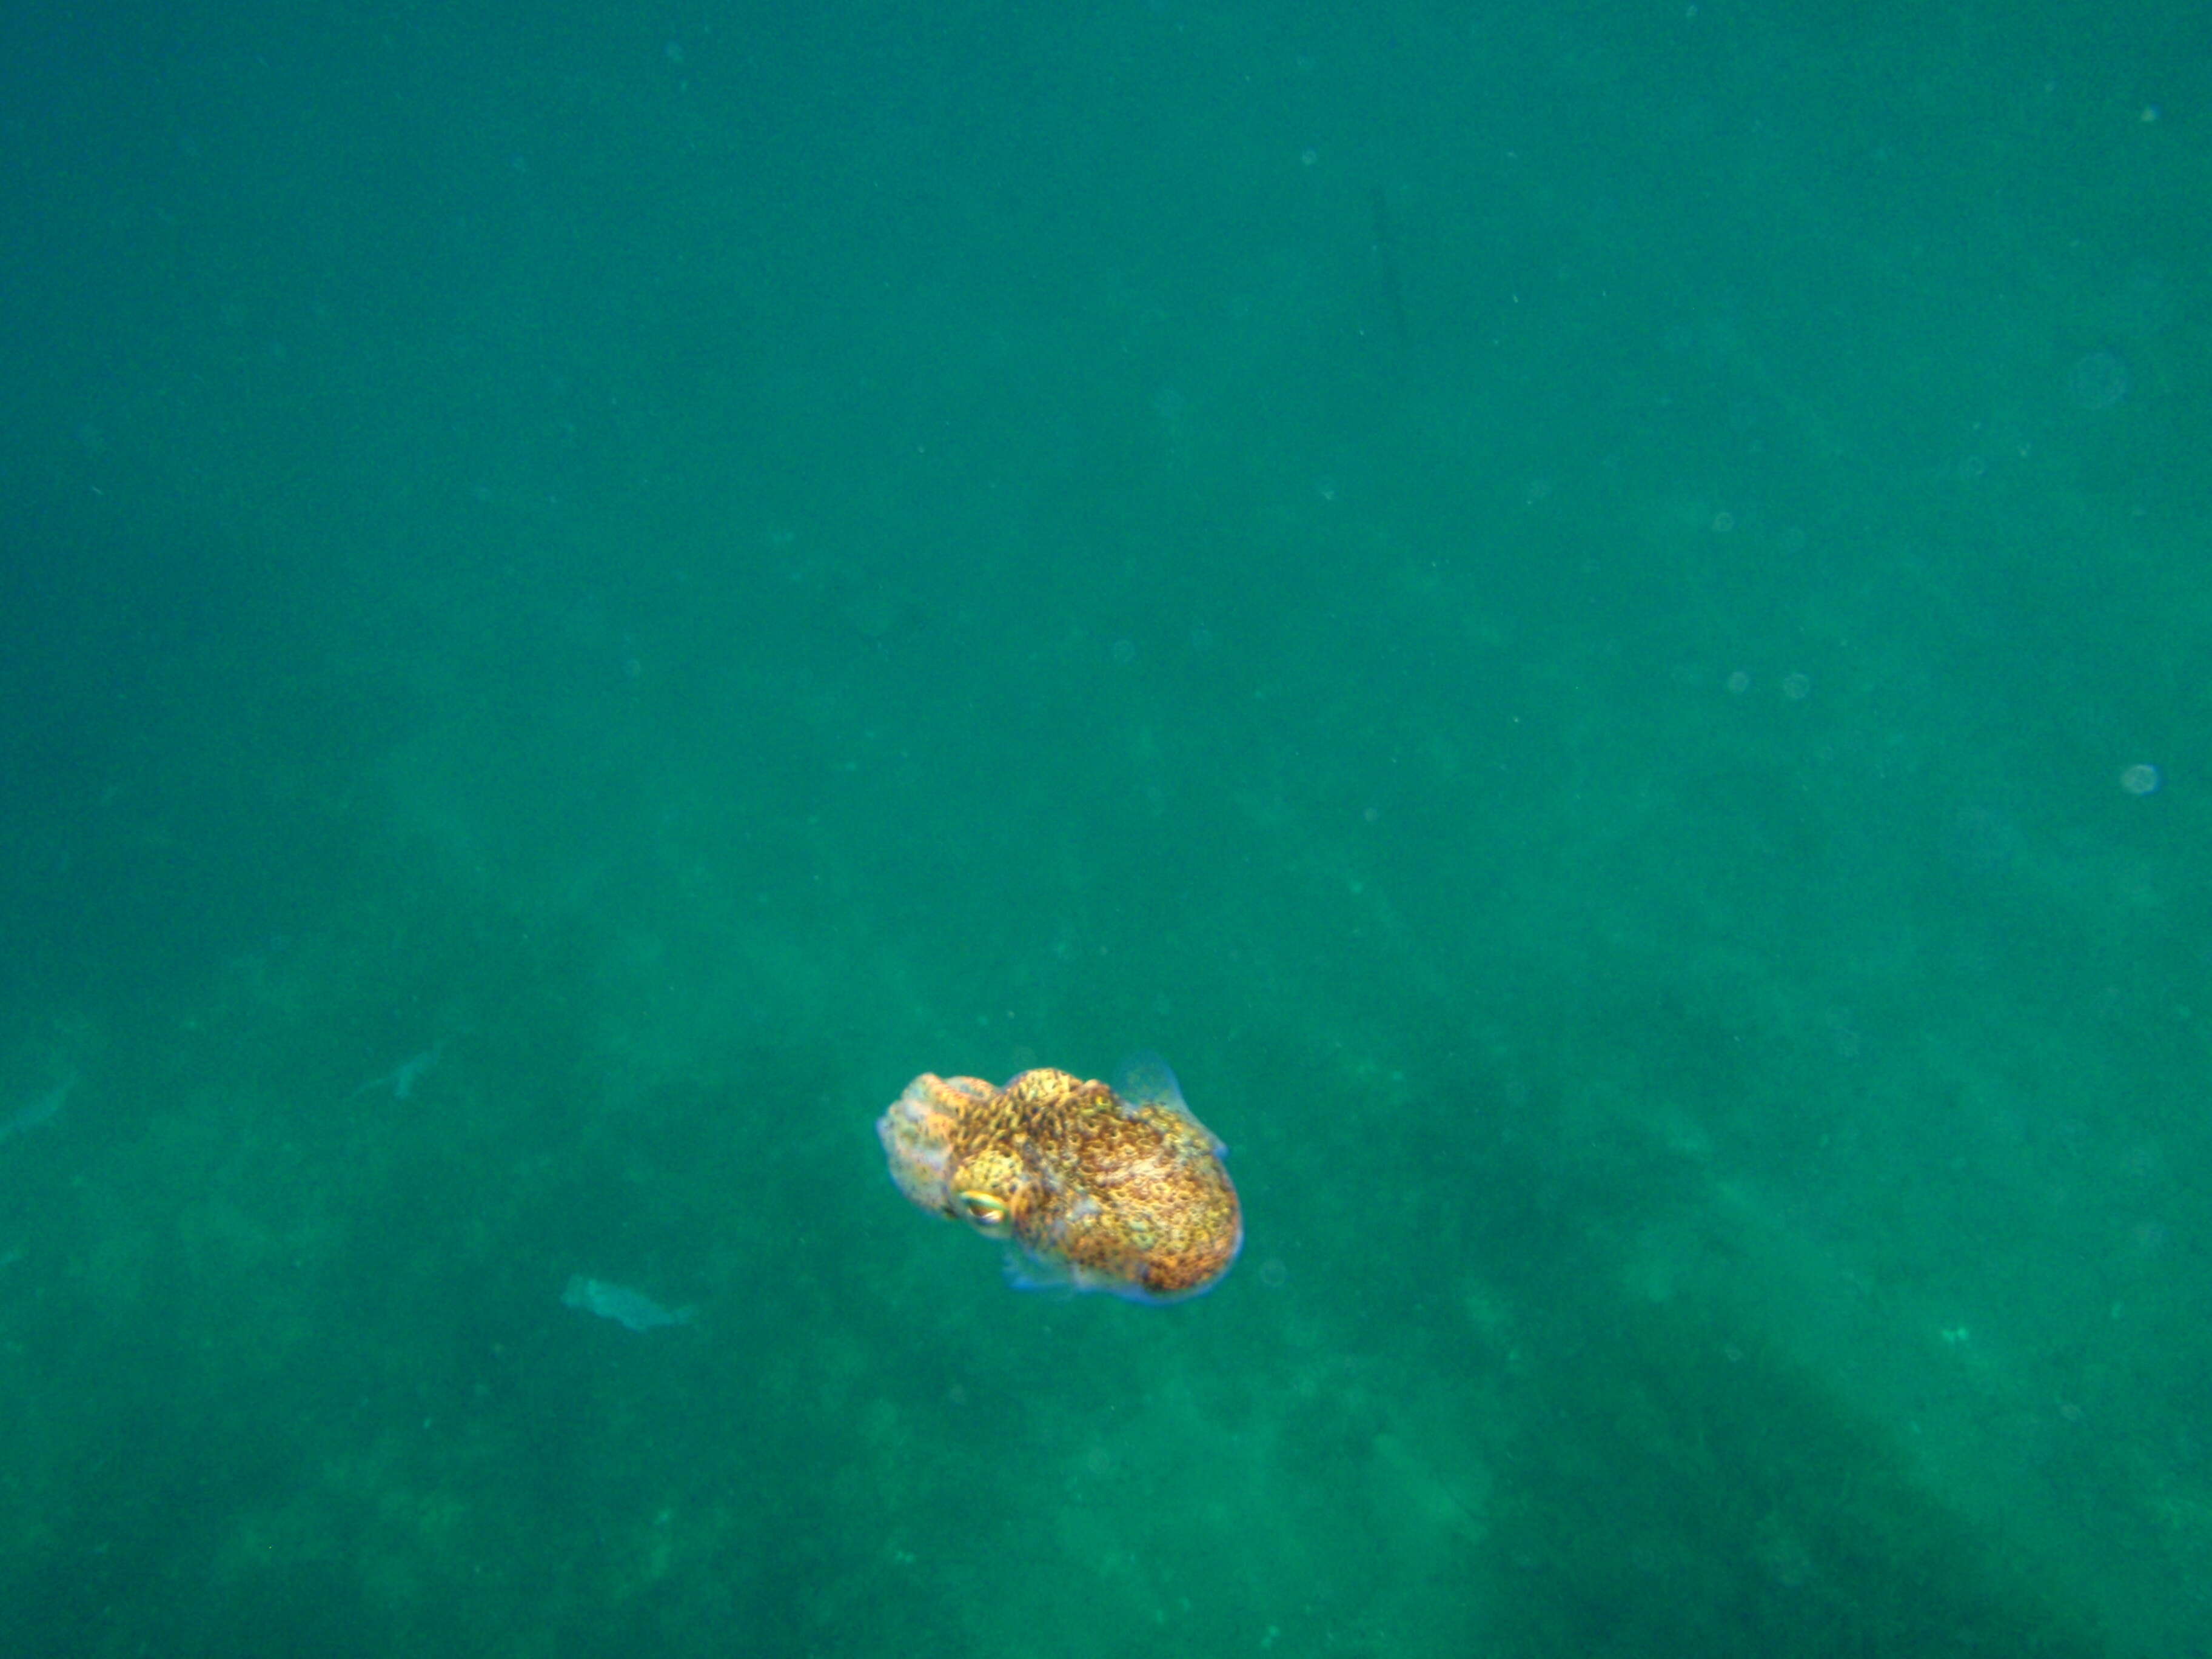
point(985, 1210)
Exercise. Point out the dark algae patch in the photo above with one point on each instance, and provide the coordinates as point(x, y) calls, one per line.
point(1684, 1491)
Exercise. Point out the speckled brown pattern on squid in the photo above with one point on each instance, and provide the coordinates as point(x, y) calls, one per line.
point(1098, 1191)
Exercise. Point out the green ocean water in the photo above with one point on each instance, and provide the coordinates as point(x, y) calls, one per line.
point(1564, 607)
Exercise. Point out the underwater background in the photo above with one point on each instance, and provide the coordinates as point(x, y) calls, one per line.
point(1593, 617)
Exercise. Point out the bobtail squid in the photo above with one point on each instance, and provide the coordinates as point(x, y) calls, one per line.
point(1112, 1189)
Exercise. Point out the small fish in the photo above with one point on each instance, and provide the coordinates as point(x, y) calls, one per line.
point(633, 1308)
point(402, 1079)
point(32, 1113)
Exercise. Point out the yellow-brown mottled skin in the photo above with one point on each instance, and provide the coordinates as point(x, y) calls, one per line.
point(1122, 1195)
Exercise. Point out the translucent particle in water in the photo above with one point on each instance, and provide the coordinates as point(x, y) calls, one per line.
point(1796, 687)
point(2140, 779)
point(1739, 682)
point(2098, 380)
